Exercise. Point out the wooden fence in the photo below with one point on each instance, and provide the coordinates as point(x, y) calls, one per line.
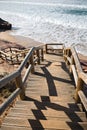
point(74, 66)
point(13, 55)
point(35, 54)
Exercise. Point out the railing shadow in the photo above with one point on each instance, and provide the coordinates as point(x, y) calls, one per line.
point(50, 82)
point(57, 107)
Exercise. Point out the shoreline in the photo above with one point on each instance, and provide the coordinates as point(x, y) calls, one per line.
point(8, 40)
point(21, 40)
point(25, 42)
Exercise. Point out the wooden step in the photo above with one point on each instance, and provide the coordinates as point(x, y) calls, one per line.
point(44, 124)
point(54, 124)
point(25, 105)
point(14, 128)
point(64, 116)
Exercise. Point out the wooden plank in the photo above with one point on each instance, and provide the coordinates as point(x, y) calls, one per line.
point(83, 76)
point(83, 99)
point(76, 59)
point(5, 127)
point(45, 124)
point(53, 124)
point(10, 121)
point(74, 74)
point(64, 115)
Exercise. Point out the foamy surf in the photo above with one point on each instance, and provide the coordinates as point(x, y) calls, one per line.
point(48, 21)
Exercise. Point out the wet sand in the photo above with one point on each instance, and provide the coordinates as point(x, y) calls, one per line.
point(20, 40)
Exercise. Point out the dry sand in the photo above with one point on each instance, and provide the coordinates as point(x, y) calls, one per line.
point(23, 41)
point(6, 40)
point(20, 41)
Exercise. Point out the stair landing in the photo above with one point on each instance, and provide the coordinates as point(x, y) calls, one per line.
point(49, 102)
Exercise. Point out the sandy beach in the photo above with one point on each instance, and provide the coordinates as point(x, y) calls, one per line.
point(20, 40)
point(6, 39)
point(25, 42)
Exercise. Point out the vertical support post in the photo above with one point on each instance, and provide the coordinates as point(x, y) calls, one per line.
point(46, 48)
point(78, 88)
point(11, 59)
point(38, 55)
point(42, 55)
point(10, 49)
point(64, 53)
point(20, 85)
point(67, 62)
point(32, 63)
point(72, 63)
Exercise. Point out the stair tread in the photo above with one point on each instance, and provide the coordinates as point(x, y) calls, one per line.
point(51, 124)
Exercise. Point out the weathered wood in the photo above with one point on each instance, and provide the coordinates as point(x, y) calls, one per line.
point(78, 88)
point(32, 63)
point(38, 55)
point(74, 73)
point(27, 74)
point(42, 55)
point(19, 84)
point(76, 59)
point(9, 100)
point(50, 90)
point(26, 59)
point(8, 78)
point(83, 76)
point(46, 48)
point(83, 99)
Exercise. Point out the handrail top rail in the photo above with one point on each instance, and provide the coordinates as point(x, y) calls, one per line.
point(54, 44)
point(83, 76)
point(11, 76)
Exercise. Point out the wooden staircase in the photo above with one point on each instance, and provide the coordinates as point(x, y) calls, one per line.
point(49, 102)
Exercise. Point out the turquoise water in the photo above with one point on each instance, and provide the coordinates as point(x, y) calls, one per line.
point(62, 21)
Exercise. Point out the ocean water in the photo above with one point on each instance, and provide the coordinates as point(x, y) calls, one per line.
point(61, 21)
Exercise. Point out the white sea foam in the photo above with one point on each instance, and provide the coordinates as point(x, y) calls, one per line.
point(48, 22)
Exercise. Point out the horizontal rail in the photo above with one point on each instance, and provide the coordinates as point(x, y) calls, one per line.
point(75, 56)
point(73, 63)
point(74, 74)
point(8, 78)
point(9, 100)
point(83, 99)
point(17, 77)
point(26, 74)
point(71, 59)
point(53, 44)
point(26, 59)
point(83, 76)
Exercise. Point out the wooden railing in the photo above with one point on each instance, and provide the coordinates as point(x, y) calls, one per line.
point(35, 54)
point(50, 47)
point(74, 66)
point(13, 55)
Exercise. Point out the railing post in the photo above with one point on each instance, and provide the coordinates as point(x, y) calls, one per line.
point(42, 55)
point(78, 88)
point(72, 63)
point(38, 55)
point(20, 85)
point(67, 62)
point(11, 59)
point(46, 48)
point(32, 63)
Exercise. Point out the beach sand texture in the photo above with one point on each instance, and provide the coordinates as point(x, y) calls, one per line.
point(6, 39)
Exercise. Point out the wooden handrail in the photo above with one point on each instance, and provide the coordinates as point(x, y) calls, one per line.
point(71, 59)
point(73, 63)
point(53, 44)
point(20, 81)
point(83, 99)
